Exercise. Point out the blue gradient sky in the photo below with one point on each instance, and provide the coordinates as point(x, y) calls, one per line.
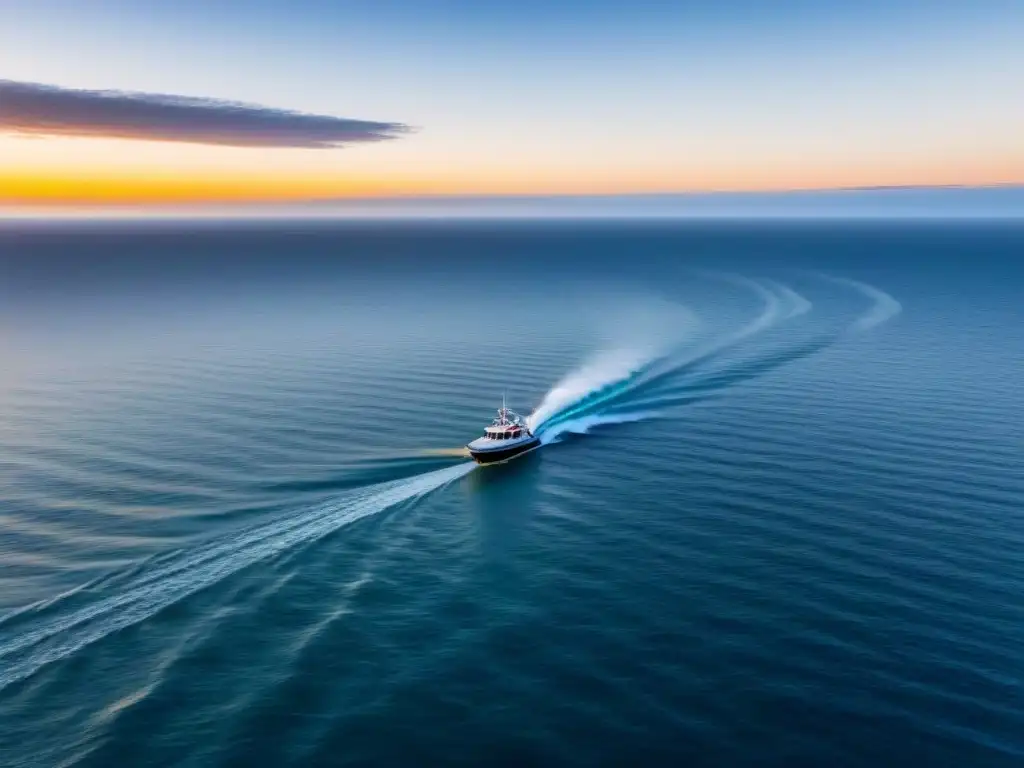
point(573, 97)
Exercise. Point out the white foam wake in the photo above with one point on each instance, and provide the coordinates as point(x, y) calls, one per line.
point(798, 305)
point(583, 424)
point(54, 635)
point(634, 336)
point(883, 308)
point(771, 310)
point(579, 402)
point(604, 371)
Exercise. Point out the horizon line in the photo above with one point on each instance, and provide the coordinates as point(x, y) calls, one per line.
point(711, 204)
point(385, 196)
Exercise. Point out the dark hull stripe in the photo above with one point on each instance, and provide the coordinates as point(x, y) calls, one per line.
point(489, 457)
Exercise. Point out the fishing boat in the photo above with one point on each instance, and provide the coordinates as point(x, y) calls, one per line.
point(506, 437)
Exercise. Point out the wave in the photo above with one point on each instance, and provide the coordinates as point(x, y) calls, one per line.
point(651, 389)
point(883, 308)
point(798, 305)
point(360, 473)
point(584, 424)
point(637, 341)
point(771, 311)
point(769, 316)
point(632, 383)
point(715, 383)
point(590, 396)
point(47, 632)
point(606, 369)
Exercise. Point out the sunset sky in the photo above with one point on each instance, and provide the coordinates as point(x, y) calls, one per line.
point(462, 97)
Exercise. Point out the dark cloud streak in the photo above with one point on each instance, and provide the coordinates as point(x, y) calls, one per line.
point(33, 109)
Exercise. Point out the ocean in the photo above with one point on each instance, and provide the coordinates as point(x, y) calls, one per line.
point(777, 519)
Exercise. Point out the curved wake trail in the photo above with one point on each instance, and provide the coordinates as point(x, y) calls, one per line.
point(643, 339)
point(771, 312)
point(883, 308)
point(583, 424)
point(47, 633)
point(585, 398)
point(798, 304)
point(631, 384)
point(624, 389)
point(606, 370)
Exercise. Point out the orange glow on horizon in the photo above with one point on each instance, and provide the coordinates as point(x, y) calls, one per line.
point(57, 189)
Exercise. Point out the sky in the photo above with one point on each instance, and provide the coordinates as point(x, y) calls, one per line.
point(137, 102)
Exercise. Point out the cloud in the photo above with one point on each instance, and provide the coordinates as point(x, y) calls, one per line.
point(33, 109)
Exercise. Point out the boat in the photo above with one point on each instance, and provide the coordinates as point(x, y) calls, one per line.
point(506, 437)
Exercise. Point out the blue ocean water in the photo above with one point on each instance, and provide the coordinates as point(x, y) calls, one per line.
point(777, 520)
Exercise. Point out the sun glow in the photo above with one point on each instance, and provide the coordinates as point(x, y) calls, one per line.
point(62, 173)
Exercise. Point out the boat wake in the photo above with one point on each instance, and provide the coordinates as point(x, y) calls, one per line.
point(47, 632)
point(605, 371)
point(883, 308)
point(630, 384)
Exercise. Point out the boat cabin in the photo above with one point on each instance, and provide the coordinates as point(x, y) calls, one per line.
point(507, 426)
point(509, 432)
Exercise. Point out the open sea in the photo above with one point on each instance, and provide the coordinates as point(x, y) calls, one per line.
point(777, 519)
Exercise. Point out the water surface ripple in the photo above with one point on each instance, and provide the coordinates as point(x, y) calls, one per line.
point(776, 518)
